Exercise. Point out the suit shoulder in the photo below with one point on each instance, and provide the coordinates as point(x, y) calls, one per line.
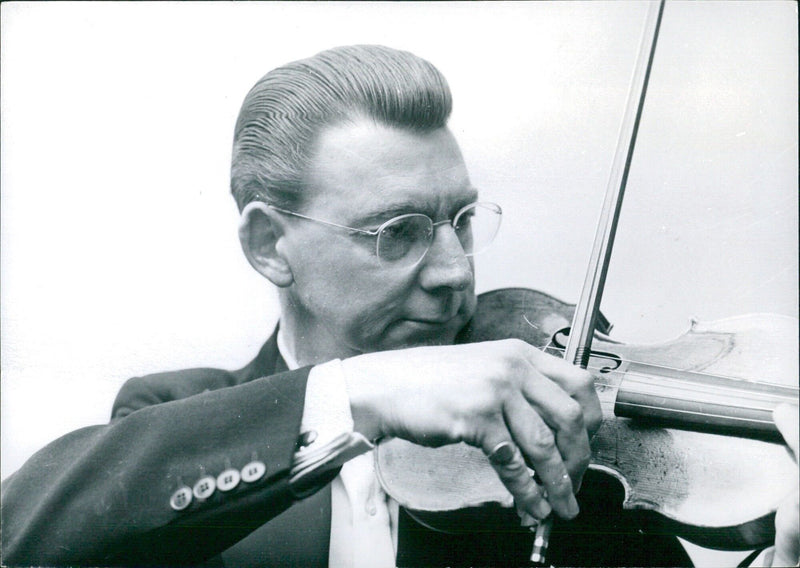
point(148, 390)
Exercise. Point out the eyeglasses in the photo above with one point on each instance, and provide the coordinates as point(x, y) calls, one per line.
point(405, 240)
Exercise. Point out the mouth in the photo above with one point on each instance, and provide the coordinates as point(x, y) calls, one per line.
point(429, 331)
point(436, 323)
point(456, 309)
point(451, 317)
point(438, 318)
point(431, 322)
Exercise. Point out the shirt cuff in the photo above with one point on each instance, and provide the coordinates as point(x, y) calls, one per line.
point(326, 439)
point(326, 412)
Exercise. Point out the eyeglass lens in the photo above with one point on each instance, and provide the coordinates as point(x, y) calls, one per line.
point(407, 238)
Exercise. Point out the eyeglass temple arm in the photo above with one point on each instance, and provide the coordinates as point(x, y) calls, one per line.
point(292, 213)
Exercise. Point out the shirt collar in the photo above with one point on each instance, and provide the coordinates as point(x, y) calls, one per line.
point(285, 352)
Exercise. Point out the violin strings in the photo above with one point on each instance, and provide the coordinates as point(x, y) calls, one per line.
point(676, 369)
point(637, 377)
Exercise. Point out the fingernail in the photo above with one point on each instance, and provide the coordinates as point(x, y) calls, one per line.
point(573, 507)
point(527, 520)
point(542, 509)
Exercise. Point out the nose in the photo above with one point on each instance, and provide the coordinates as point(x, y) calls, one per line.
point(446, 265)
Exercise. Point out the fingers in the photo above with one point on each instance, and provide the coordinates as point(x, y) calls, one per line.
point(509, 464)
point(541, 447)
point(564, 416)
point(545, 417)
point(576, 382)
point(485, 394)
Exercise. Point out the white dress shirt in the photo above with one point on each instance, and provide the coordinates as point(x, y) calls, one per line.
point(363, 517)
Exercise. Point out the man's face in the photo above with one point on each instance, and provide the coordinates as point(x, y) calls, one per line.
point(343, 301)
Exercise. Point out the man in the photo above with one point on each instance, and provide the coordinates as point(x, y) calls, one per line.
point(357, 205)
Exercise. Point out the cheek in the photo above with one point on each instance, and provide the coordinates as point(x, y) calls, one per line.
point(349, 294)
point(370, 305)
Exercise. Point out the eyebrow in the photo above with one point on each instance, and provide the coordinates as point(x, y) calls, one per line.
point(390, 211)
point(404, 207)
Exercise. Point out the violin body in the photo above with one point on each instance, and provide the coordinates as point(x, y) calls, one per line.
point(714, 489)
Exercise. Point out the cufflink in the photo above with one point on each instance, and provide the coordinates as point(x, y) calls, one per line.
point(311, 466)
point(306, 439)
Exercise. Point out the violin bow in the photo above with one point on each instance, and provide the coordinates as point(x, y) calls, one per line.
point(579, 344)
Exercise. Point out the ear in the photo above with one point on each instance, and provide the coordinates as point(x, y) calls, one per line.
point(259, 232)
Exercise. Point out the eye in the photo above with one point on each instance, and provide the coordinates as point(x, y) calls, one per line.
point(406, 229)
point(405, 234)
point(464, 221)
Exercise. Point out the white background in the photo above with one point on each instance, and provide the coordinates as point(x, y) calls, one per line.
point(119, 247)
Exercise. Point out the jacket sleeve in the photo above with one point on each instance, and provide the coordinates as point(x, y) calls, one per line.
point(102, 495)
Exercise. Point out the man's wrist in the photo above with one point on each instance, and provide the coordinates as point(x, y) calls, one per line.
point(326, 411)
point(326, 440)
point(364, 391)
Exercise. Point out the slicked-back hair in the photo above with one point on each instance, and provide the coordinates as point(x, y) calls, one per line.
point(285, 111)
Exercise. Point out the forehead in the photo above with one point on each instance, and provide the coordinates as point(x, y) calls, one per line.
point(362, 168)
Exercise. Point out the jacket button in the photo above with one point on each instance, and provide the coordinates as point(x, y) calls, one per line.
point(204, 487)
point(253, 471)
point(181, 499)
point(228, 479)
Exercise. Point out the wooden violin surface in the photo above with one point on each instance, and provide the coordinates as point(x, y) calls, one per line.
point(717, 490)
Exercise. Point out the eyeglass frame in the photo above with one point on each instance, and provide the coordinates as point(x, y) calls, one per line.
point(377, 232)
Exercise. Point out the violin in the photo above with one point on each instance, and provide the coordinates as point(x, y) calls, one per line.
point(687, 424)
point(699, 479)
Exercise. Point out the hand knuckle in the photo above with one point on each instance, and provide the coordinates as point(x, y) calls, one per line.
point(510, 371)
point(593, 418)
point(573, 414)
point(462, 429)
point(544, 441)
point(499, 386)
point(516, 469)
point(514, 350)
point(585, 379)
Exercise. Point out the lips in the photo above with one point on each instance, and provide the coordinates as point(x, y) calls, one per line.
point(440, 317)
point(454, 313)
point(441, 321)
point(437, 321)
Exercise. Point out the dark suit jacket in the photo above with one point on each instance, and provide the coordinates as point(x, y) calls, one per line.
point(101, 495)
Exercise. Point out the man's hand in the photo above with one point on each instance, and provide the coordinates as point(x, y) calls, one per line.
point(485, 394)
point(787, 520)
